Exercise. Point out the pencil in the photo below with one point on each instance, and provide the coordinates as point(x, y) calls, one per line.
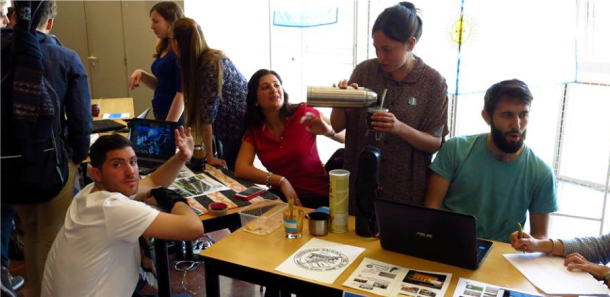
point(520, 231)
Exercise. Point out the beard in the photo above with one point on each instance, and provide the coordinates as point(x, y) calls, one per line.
point(507, 147)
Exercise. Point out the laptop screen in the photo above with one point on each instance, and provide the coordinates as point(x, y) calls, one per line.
point(153, 139)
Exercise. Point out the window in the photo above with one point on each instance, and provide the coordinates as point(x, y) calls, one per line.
point(559, 48)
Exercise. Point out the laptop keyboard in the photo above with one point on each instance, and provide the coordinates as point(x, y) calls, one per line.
point(481, 252)
point(483, 249)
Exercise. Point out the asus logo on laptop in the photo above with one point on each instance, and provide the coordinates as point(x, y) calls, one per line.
point(422, 234)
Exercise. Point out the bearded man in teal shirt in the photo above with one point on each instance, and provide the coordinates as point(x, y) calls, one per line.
point(495, 176)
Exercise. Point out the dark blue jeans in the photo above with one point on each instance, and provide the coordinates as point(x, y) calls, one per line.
point(8, 214)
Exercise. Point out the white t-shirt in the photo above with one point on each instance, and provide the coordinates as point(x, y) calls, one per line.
point(97, 252)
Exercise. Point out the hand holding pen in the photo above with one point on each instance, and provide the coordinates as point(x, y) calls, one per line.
point(524, 242)
point(529, 244)
point(520, 234)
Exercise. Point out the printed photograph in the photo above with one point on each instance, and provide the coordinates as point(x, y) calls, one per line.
point(492, 290)
point(181, 191)
point(366, 287)
point(425, 279)
point(388, 275)
point(359, 280)
point(472, 293)
point(473, 287)
point(426, 293)
point(508, 293)
point(380, 285)
point(409, 289)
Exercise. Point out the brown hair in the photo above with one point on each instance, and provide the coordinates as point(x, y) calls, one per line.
point(194, 54)
point(170, 12)
point(49, 13)
point(513, 89)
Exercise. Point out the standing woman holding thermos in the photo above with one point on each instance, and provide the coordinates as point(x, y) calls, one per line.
point(414, 126)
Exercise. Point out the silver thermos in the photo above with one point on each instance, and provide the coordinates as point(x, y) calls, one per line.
point(336, 97)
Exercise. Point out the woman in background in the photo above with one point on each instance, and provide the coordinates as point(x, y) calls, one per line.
point(283, 136)
point(168, 100)
point(416, 123)
point(214, 92)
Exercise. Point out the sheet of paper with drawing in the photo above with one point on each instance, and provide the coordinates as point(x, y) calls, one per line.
point(320, 260)
point(390, 280)
point(551, 276)
point(467, 287)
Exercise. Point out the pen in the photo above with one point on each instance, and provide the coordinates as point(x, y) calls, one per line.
point(520, 230)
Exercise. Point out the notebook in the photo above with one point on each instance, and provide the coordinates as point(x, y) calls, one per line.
point(153, 142)
point(432, 234)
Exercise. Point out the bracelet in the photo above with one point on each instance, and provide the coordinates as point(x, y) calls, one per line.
point(281, 180)
point(552, 247)
point(267, 179)
point(331, 134)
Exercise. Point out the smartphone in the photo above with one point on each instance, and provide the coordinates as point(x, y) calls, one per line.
point(250, 193)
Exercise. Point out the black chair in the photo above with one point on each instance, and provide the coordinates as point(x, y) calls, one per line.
point(335, 161)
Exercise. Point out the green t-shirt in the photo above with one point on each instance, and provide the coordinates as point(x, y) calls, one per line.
point(498, 194)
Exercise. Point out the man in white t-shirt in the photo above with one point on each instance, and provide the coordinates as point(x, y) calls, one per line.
point(97, 251)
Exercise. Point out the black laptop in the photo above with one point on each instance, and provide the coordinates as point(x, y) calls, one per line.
point(99, 126)
point(432, 234)
point(153, 141)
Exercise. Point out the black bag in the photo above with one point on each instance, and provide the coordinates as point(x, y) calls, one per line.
point(36, 180)
point(34, 162)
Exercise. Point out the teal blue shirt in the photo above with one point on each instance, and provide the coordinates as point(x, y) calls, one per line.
point(497, 193)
